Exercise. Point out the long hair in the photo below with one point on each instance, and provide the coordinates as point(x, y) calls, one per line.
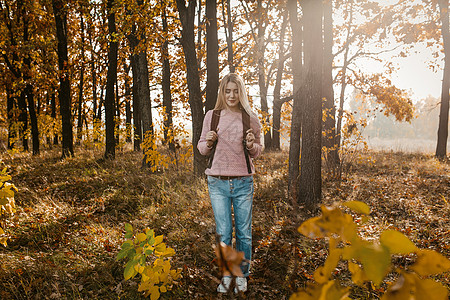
point(243, 98)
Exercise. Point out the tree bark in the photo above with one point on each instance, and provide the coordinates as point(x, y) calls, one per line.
point(111, 79)
point(296, 122)
point(442, 135)
point(310, 185)
point(64, 87)
point(193, 79)
point(212, 55)
point(167, 94)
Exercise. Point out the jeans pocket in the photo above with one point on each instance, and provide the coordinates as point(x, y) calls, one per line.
point(212, 181)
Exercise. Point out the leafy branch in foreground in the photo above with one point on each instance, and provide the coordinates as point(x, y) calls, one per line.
point(156, 274)
point(370, 261)
point(7, 203)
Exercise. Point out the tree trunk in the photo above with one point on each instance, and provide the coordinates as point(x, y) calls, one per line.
point(33, 118)
point(167, 94)
point(310, 185)
point(296, 129)
point(141, 81)
point(117, 114)
point(53, 115)
point(261, 47)
point(64, 88)
point(277, 89)
point(212, 55)
point(111, 79)
point(329, 125)
point(128, 117)
point(193, 79)
point(29, 88)
point(441, 147)
point(136, 115)
point(344, 83)
point(10, 115)
point(229, 35)
point(80, 87)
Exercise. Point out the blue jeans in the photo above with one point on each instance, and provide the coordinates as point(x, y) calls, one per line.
point(236, 192)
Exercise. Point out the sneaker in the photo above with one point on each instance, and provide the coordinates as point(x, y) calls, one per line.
point(241, 285)
point(224, 285)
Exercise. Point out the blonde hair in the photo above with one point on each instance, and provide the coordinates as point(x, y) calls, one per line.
point(243, 99)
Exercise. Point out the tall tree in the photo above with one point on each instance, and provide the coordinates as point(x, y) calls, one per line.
point(81, 82)
point(228, 27)
point(297, 68)
point(111, 79)
point(329, 126)
point(165, 82)
point(441, 147)
point(27, 76)
point(277, 101)
point(310, 185)
point(212, 55)
point(187, 14)
point(60, 12)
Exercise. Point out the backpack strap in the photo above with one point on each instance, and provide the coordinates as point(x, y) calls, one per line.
point(245, 127)
point(214, 122)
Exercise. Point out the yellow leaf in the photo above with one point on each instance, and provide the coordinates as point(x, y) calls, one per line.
point(400, 290)
point(154, 293)
point(397, 242)
point(141, 237)
point(158, 239)
point(376, 260)
point(3, 241)
point(430, 262)
point(430, 289)
point(358, 275)
point(163, 289)
point(322, 274)
point(1, 231)
point(358, 206)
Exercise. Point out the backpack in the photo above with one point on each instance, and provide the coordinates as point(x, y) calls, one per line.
point(245, 125)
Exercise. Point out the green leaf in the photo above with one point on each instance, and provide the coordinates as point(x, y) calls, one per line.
point(129, 271)
point(128, 228)
point(429, 262)
point(127, 244)
point(397, 242)
point(128, 235)
point(358, 206)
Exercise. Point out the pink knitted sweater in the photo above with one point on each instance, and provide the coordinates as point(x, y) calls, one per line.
point(229, 158)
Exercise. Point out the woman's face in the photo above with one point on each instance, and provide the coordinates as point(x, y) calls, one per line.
point(232, 96)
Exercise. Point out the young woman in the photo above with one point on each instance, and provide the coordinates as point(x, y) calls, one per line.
point(230, 174)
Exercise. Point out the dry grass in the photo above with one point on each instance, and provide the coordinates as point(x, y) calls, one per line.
point(71, 215)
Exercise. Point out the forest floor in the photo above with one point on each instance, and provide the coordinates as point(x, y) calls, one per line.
point(71, 215)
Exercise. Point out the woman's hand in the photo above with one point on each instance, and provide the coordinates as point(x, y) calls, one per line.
point(250, 138)
point(211, 137)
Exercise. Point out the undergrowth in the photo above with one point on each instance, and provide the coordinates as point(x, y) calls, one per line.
point(71, 214)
